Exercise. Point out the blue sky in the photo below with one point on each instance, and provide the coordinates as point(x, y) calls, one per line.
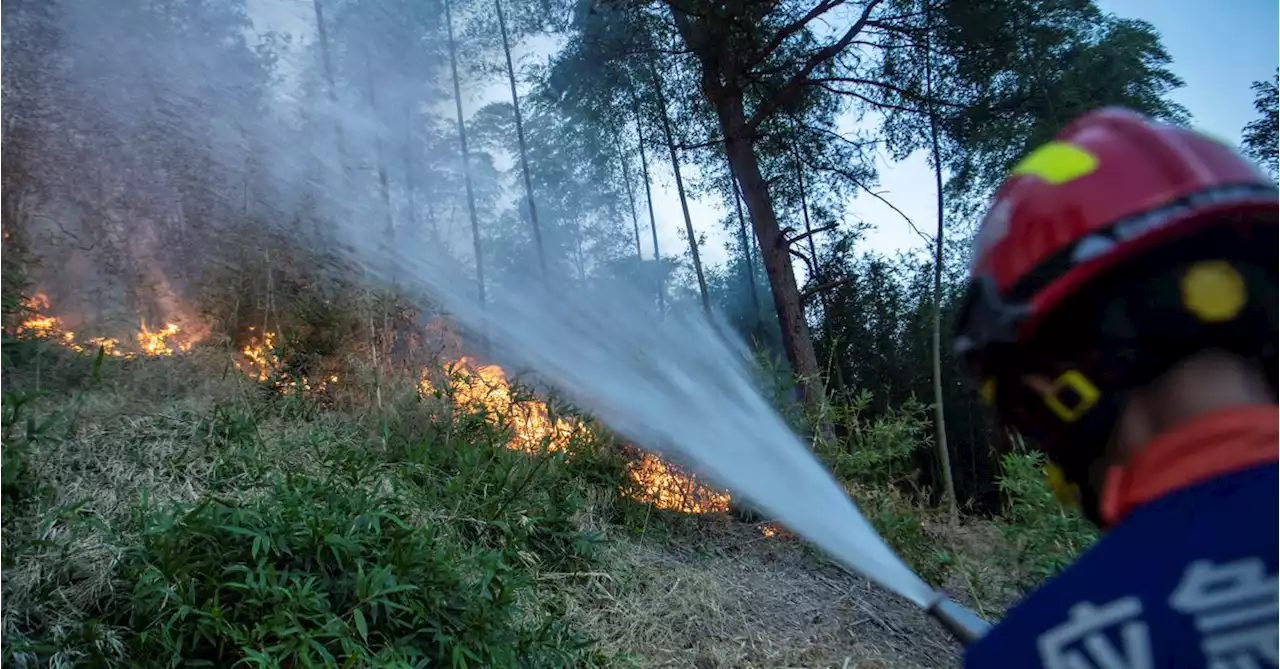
point(1218, 49)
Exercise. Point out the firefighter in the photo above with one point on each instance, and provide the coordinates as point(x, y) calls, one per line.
point(1121, 316)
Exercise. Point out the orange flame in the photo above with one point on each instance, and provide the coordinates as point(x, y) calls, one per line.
point(161, 342)
point(150, 343)
point(667, 488)
point(775, 530)
point(264, 364)
point(484, 388)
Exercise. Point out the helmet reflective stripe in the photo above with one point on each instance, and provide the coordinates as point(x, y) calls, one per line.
point(1057, 163)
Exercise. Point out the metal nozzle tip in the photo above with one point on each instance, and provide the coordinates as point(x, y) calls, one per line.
point(963, 624)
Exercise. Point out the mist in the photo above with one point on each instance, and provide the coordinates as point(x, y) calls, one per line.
point(175, 145)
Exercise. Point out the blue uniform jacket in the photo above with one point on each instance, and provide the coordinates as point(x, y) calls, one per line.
point(1185, 581)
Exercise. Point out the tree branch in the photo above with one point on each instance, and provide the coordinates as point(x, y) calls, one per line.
point(817, 58)
point(805, 235)
point(911, 95)
point(701, 145)
point(807, 294)
point(835, 135)
point(858, 182)
point(805, 258)
point(876, 103)
point(791, 29)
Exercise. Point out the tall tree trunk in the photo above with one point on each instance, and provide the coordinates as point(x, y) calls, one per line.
point(466, 156)
point(524, 151)
point(684, 203)
point(631, 194)
point(410, 178)
point(746, 243)
point(808, 228)
point(322, 32)
point(776, 256)
point(727, 100)
point(389, 234)
point(648, 196)
point(939, 417)
point(804, 211)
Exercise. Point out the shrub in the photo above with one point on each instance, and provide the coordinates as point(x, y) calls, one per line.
point(412, 540)
point(323, 572)
point(1043, 536)
point(873, 460)
point(19, 487)
point(875, 450)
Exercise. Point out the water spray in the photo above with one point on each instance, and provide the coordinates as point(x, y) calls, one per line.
point(683, 381)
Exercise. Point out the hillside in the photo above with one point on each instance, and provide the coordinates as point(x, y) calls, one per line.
point(173, 501)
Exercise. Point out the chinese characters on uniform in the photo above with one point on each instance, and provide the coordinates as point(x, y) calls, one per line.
point(1235, 607)
point(1107, 636)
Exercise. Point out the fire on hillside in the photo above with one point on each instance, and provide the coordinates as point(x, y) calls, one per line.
point(476, 387)
point(165, 341)
point(486, 388)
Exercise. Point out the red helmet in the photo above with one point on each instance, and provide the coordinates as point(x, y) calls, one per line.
point(1111, 185)
point(1087, 249)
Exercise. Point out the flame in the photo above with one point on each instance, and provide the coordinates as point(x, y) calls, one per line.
point(150, 343)
point(667, 488)
point(261, 357)
point(39, 324)
point(263, 363)
point(161, 342)
point(775, 530)
point(481, 388)
point(484, 388)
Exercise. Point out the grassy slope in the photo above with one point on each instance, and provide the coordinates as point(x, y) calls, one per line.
point(499, 554)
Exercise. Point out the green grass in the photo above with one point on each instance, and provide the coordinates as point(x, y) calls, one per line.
point(163, 512)
point(222, 526)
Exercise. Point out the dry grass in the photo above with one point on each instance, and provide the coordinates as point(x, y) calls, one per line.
point(982, 578)
point(740, 599)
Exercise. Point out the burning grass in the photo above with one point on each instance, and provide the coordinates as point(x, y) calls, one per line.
point(160, 478)
point(485, 389)
point(474, 387)
point(160, 483)
point(167, 340)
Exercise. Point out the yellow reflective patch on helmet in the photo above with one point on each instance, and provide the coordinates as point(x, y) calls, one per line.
point(1213, 290)
point(1057, 163)
point(1067, 494)
point(1086, 396)
point(988, 390)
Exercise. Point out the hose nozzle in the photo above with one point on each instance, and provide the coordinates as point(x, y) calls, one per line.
point(963, 624)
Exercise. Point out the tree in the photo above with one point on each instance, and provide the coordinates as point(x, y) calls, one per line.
point(748, 267)
point(524, 160)
point(1020, 70)
point(1260, 140)
point(597, 71)
point(466, 155)
point(939, 244)
point(659, 278)
point(746, 54)
point(975, 86)
point(660, 101)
